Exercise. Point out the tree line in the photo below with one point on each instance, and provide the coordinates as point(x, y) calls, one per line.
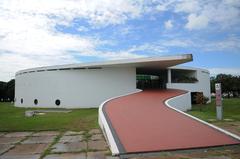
point(7, 90)
point(230, 84)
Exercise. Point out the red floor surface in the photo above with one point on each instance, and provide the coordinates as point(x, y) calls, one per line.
point(143, 123)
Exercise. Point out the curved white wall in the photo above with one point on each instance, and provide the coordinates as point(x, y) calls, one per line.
point(181, 102)
point(102, 121)
point(84, 88)
point(75, 88)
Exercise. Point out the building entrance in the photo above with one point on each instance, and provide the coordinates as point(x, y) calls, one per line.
point(151, 79)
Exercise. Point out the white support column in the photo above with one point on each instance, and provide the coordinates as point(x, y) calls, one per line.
point(169, 76)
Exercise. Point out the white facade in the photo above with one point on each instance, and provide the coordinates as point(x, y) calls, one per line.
point(202, 85)
point(83, 88)
point(88, 85)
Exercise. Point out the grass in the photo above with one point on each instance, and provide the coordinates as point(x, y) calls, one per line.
point(13, 119)
point(231, 110)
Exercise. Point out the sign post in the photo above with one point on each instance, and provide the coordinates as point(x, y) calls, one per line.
point(219, 106)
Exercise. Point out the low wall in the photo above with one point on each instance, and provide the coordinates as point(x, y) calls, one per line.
point(173, 100)
point(182, 102)
point(103, 123)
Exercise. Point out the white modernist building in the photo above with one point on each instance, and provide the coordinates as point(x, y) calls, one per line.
point(88, 85)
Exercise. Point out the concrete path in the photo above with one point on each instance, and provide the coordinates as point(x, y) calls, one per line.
point(54, 145)
point(141, 122)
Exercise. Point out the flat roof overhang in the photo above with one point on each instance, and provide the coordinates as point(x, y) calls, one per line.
point(144, 63)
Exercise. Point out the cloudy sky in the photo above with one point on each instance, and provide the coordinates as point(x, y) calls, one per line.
point(48, 32)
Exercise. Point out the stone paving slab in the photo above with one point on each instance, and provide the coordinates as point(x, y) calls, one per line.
point(215, 157)
point(4, 148)
point(10, 140)
point(66, 139)
point(20, 156)
point(95, 131)
point(39, 140)
point(70, 147)
point(97, 137)
point(66, 156)
point(158, 157)
point(97, 145)
point(177, 157)
point(46, 133)
point(73, 133)
point(27, 149)
point(18, 134)
point(2, 133)
point(99, 155)
point(166, 157)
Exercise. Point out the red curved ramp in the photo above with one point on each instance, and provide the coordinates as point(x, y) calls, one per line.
point(141, 122)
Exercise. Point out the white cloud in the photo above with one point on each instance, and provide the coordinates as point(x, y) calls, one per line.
point(10, 63)
point(168, 24)
point(126, 30)
point(29, 38)
point(231, 44)
point(203, 13)
point(28, 35)
point(177, 42)
point(200, 14)
point(232, 71)
point(151, 48)
point(197, 22)
point(82, 29)
point(100, 12)
point(164, 5)
point(188, 6)
point(232, 2)
point(121, 55)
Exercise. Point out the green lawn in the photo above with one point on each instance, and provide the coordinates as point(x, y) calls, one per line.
point(231, 110)
point(13, 119)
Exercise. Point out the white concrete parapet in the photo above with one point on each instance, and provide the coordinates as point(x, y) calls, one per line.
point(182, 102)
point(169, 102)
point(102, 121)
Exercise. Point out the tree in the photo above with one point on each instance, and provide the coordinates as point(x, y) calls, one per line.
point(10, 90)
point(2, 90)
point(7, 90)
point(230, 84)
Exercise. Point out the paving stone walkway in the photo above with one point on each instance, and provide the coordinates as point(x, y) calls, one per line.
point(85, 145)
point(54, 145)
